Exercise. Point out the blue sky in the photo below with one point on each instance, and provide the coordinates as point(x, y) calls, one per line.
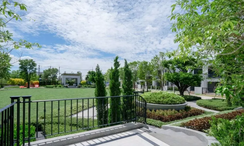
point(76, 35)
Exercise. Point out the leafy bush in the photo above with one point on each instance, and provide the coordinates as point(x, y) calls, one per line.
point(83, 82)
point(203, 124)
point(163, 98)
point(50, 86)
point(228, 132)
point(191, 98)
point(172, 115)
point(215, 104)
point(16, 81)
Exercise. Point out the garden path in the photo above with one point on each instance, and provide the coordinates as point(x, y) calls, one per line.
point(193, 104)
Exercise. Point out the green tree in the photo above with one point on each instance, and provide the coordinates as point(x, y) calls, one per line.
point(27, 68)
point(127, 90)
point(180, 72)
point(15, 74)
point(106, 75)
point(134, 69)
point(90, 77)
point(7, 43)
point(50, 74)
point(144, 72)
point(215, 29)
point(114, 87)
point(5, 65)
point(158, 69)
point(101, 103)
point(121, 74)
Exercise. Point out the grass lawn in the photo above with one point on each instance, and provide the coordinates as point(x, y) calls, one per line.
point(44, 93)
point(51, 114)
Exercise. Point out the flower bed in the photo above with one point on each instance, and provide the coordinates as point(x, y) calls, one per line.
point(215, 104)
point(203, 124)
point(172, 115)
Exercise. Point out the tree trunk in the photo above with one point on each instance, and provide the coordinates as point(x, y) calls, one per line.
point(28, 84)
point(181, 91)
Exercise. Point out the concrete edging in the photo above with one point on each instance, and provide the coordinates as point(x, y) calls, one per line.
point(166, 106)
point(88, 135)
point(208, 140)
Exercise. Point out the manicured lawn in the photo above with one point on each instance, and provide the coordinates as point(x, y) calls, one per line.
point(215, 104)
point(45, 93)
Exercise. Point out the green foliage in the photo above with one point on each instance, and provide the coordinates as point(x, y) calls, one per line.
point(90, 77)
point(228, 132)
point(156, 123)
point(16, 81)
point(145, 71)
point(191, 98)
point(180, 72)
point(163, 98)
point(134, 69)
point(203, 124)
point(27, 69)
point(172, 115)
point(101, 103)
point(215, 104)
point(50, 74)
point(4, 65)
point(215, 28)
point(83, 82)
point(114, 87)
point(50, 86)
point(127, 90)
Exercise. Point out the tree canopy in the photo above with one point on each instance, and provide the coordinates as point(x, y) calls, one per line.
point(27, 69)
point(179, 72)
point(50, 74)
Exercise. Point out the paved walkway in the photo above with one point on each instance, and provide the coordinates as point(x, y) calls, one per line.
point(193, 104)
point(145, 137)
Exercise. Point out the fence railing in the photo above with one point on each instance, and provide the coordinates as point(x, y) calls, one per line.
point(25, 121)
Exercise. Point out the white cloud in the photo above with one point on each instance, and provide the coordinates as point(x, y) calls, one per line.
point(135, 30)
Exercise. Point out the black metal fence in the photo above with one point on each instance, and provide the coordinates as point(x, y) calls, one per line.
point(25, 121)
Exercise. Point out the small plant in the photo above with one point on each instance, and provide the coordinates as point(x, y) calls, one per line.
point(172, 115)
point(191, 98)
point(203, 124)
point(50, 86)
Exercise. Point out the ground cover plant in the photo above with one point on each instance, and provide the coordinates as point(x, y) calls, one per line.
point(228, 132)
point(172, 115)
point(216, 104)
point(163, 98)
point(203, 124)
point(191, 98)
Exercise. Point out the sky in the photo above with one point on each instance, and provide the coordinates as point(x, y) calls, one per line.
point(76, 35)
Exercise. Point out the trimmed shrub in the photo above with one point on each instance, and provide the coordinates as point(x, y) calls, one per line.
point(50, 86)
point(172, 115)
point(191, 98)
point(215, 104)
point(203, 124)
point(83, 82)
point(16, 81)
point(163, 98)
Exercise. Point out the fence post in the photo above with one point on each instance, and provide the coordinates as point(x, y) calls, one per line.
point(145, 114)
point(13, 98)
point(135, 113)
point(29, 114)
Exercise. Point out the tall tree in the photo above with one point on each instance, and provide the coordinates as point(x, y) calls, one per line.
point(50, 74)
point(180, 72)
point(144, 72)
point(127, 90)
point(7, 43)
point(101, 103)
point(134, 68)
point(27, 69)
point(215, 28)
point(106, 75)
point(114, 87)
